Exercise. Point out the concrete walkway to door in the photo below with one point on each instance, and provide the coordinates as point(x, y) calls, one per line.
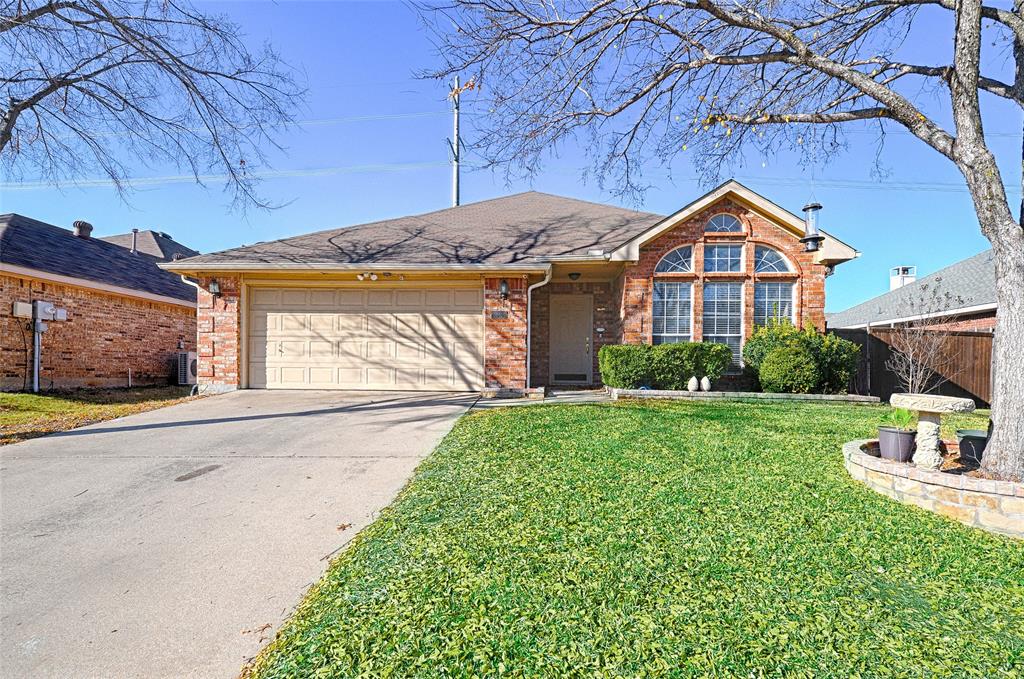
point(173, 543)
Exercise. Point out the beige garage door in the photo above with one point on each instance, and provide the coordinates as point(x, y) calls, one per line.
point(366, 338)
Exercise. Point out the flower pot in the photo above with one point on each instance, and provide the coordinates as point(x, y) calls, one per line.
point(896, 444)
point(972, 444)
point(705, 384)
point(692, 384)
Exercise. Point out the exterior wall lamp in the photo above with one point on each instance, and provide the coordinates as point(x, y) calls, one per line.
point(812, 237)
point(503, 288)
point(214, 288)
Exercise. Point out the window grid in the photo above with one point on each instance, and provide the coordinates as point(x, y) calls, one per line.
point(767, 260)
point(772, 301)
point(724, 224)
point(679, 260)
point(728, 258)
point(673, 303)
point(723, 317)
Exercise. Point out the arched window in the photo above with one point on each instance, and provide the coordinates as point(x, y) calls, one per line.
point(724, 223)
point(679, 260)
point(767, 260)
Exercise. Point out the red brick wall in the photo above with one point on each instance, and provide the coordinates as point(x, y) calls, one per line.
point(505, 338)
point(637, 283)
point(220, 324)
point(983, 322)
point(605, 316)
point(104, 336)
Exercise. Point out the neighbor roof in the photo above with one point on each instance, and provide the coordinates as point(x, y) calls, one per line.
point(507, 230)
point(153, 243)
point(966, 284)
point(32, 244)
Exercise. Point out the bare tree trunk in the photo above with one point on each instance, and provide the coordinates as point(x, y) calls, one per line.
point(1004, 455)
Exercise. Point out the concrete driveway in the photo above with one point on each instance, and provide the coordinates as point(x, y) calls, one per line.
point(173, 543)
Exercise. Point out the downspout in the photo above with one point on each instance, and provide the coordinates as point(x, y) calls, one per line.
point(529, 319)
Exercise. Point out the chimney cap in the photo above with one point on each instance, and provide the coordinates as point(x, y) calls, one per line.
point(82, 228)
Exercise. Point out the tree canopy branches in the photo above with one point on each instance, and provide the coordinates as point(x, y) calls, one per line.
point(108, 85)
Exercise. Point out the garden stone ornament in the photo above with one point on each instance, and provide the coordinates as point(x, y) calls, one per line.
point(929, 418)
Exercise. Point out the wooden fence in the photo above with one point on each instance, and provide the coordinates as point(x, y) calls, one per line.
point(966, 364)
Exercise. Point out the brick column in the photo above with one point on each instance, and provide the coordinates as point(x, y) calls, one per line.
point(505, 336)
point(219, 325)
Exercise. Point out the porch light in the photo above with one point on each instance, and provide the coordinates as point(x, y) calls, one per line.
point(214, 288)
point(503, 288)
point(812, 237)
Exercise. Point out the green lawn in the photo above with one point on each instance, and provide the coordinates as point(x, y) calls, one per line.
point(25, 416)
point(658, 539)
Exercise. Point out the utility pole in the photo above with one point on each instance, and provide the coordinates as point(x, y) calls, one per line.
point(454, 144)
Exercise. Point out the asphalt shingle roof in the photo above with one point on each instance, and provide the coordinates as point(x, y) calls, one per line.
point(504, 230)
point(967, 283)
point(37, 245)
point(153, 243)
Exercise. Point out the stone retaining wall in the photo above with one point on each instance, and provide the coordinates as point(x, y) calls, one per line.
point(995, 506)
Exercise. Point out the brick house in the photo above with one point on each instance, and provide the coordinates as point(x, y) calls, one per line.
point(961, 296)
point(123, 312)
point(503, 295)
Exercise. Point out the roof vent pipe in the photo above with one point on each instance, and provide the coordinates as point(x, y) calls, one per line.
point(82, 229)
point(135, 240)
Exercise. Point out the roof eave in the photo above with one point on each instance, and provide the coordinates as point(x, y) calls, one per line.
point(183, 266)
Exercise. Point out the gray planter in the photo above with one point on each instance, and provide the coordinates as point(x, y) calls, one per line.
point(972, 444)
point(896, 444)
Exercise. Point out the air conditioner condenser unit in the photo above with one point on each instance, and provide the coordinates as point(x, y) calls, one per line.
point(188, 367)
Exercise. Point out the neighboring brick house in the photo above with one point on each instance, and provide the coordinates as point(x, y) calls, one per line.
point(502, 295)
point(123, 312)
point(961, 296)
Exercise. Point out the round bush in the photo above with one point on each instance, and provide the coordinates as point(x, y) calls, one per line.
point(789, 370)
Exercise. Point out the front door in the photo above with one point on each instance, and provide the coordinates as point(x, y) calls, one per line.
point(572, 321)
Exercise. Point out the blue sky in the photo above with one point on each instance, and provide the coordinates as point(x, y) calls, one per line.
point(373, 146)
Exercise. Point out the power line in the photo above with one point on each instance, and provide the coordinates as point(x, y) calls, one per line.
point(264, 174)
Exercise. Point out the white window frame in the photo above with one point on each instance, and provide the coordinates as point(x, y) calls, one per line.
point(665, 256)
point(733, 368)
point(655, 335)
point(742, 258)
point(792, 299)
point(789, 265)
point(739, 221)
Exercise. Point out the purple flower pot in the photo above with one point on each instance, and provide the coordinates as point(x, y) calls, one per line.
point(896, 444)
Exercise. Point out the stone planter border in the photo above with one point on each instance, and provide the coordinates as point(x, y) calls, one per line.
point(995, 506)
point(737, 396)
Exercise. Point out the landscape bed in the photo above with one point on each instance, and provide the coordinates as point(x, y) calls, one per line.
point(658, 538)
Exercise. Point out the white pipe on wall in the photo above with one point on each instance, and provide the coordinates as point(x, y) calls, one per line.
point(529, 319)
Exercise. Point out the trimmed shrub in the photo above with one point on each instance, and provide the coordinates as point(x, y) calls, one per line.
point(673, 365)
point(665, 366)
point(715, 360)
point(778, 333)
point(837, 363)
point(789, 370)
point(626, 366)
point(835, 359)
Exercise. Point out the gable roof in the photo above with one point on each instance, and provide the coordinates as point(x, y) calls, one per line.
point(501, 231)
point(153, 243)
point(31, 244)
point(968, 284)
point(519, 230)
point(832, 251)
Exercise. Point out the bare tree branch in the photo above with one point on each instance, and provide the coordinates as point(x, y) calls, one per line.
point(112, 85)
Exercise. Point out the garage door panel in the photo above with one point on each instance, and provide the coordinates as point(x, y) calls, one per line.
point(297, 297)
point(343, 338)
